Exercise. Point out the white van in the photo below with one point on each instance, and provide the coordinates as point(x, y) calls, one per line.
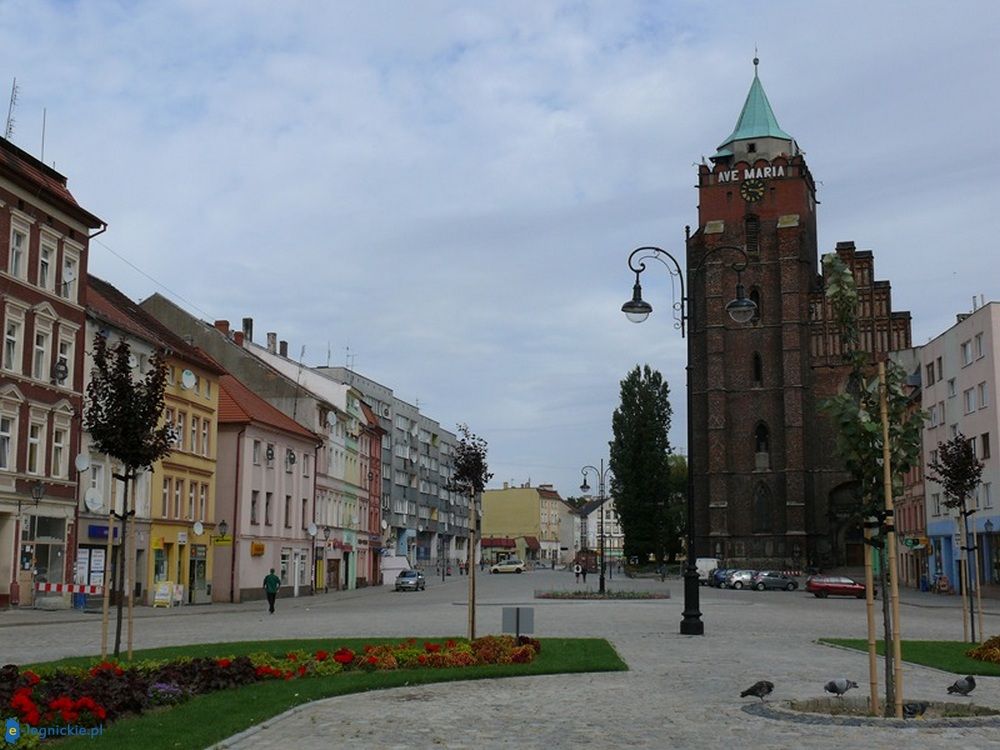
point(706, 566)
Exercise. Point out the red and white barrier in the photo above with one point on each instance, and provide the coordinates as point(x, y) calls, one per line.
point(68, 588)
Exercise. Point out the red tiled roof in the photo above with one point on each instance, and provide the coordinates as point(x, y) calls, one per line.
point(22, 167)
point(500, 541)
point(239, 405)
point(551, 494)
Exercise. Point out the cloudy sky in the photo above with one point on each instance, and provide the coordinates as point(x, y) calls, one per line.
point(450, 190)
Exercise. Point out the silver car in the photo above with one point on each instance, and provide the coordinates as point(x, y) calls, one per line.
point(740, 579)
point(410, 580)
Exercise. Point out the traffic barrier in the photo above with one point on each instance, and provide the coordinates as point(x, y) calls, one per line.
point(68, 588)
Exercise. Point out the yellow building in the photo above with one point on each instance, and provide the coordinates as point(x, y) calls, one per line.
point(522, 522)
point(182, 514)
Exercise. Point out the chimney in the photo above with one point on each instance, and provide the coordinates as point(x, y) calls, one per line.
point(238, 338)
point(283, 348)
point(272, 342)
point(222, 325)
point(248, 329)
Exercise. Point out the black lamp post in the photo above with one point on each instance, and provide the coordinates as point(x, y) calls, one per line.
point(741, 310)
point(602, 475)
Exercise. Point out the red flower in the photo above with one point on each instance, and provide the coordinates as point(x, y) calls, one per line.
point(31, 677)
point(322, 655)
point(343, 656)
point(422, 658)
point(223, 662)
point(292, 657)
point(107, 666)
point(372, 660)
point(449, 644)
point(432, 648)
point(302, 671)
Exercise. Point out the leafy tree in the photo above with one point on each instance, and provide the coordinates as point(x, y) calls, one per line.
point(959, 472)
point(673, 521)
point(470, 474)
point(121, 416)
point(640, 463)
point(856, 415)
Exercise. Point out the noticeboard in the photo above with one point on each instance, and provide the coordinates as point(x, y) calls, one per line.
point(163, 594)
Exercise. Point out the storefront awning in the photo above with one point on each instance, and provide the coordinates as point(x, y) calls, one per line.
point(531, 542)
point(500, 541)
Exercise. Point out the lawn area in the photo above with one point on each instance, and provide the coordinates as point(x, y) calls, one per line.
point(947, 655)
point(206, 719)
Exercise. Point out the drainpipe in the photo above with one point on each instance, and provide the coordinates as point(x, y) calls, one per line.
point(236, 517)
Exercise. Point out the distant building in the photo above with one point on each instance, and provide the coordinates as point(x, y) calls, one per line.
point(523, 521)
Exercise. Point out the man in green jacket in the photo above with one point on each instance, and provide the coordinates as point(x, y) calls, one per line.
point(271, 585)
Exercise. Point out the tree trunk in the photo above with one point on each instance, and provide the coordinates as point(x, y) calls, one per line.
point(121, 568)
point(890, 672)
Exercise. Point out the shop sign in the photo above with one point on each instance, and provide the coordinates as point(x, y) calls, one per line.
point(256, 549)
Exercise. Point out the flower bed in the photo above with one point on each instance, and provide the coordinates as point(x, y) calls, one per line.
point(599, 595)
point(108, 691)
point(986, 651)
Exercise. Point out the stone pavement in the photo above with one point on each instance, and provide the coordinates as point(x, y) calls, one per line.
point(680, 692)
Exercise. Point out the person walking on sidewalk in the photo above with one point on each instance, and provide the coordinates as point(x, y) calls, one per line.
point(576, 570)
point(271, 585)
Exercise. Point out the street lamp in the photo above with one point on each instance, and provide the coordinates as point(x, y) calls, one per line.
point(37, 492)
point(602, 475)
point(741, 309)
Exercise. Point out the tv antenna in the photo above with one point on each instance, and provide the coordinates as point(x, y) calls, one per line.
point(9, 131)
point(349, 359)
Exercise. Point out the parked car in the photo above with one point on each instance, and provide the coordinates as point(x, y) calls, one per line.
point(510, 565)
point(738, 579)
point(411, 580)
point(718, 578)
point(824, 586)
point(774, 579)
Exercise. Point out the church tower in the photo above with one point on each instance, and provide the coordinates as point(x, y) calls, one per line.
point(763, 456)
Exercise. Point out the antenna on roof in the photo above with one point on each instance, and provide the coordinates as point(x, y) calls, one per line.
point(42, 157)
point(9, 131)
point(327, 353)
point(349, 359)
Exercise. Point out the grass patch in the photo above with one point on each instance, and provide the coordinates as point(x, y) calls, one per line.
point(946, 655)
point(206, 719)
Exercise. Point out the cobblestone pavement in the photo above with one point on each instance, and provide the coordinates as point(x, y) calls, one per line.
point(679, 692)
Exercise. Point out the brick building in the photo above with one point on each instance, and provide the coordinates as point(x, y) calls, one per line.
point(769, 489)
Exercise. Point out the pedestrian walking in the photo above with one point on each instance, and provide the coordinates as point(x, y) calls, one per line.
point(583, 572)
point(271, 585)
point(577, 569)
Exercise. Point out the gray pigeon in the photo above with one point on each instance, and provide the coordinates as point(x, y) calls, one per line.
point(963, 686)
point(759, 689)
point(839, 686)
point(915, 709)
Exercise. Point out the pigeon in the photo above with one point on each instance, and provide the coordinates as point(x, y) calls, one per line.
point(963, 686)
point(839, 686)
point(915, 709)
point(759, 690)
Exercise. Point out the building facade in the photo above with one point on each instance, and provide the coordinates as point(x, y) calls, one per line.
point(44, 239)
point(959, 387)
point(769, 490)
point(523, 521)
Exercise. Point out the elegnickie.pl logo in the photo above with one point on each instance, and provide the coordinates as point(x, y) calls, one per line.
point(13, 730)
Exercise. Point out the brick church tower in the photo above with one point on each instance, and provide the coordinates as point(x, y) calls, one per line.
point(770, 491)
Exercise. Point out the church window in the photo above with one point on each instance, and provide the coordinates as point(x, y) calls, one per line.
point(751, 148)
point(755, 298)
point(761, 509)
point(762, 448)
point(751, 229)
point(758, 369)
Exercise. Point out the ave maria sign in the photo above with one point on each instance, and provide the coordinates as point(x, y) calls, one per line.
point(752, 173)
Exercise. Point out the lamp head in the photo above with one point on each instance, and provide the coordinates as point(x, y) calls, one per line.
point(988, 526)
point(637, 309)
point(742, 309)
point(584, 487)
point(37, 491)
point(326, 533)
point(223, 527)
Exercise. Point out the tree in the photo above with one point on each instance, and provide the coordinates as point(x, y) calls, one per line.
point(959, 473)
point(640, 463)
point(121, 416)
point(470, 474)
point(857, 421)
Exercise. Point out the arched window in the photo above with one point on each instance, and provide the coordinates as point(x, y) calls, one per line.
point(751, 229)
point(758, 369)
point(761, 508)
point(755, 298)
point(762, 448)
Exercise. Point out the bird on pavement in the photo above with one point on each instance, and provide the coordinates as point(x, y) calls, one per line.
point(915, 709)
point(839, 686)
point(963, 686)
point(759, 689)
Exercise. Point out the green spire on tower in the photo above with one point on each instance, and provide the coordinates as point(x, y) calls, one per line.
point(757, 119)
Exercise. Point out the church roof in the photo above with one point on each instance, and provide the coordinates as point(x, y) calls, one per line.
point(757, 119)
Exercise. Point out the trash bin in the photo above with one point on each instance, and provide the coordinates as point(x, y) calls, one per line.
point(924, 584)
point(79, 601)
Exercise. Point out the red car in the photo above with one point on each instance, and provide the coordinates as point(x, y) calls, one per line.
point(824, 586)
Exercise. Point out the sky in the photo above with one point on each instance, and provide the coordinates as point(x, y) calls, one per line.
point(444, 194)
